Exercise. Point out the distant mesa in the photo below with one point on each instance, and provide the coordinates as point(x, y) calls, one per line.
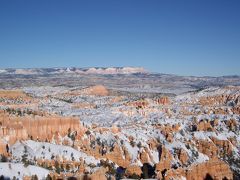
point(97, 90)
point(114, 70)
point(74, 70)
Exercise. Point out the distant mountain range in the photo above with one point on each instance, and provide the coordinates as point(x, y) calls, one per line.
point(122, 79)
point(92, 70)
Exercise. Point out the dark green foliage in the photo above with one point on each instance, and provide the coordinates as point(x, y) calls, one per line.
point(25, 157)
point(139, 145)
point(52, 157)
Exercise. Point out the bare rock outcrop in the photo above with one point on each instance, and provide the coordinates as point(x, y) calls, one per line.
point(214, 168)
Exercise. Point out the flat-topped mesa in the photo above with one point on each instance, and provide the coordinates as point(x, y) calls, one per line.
point(98, 90)
point(75, 70)
point(115, 70)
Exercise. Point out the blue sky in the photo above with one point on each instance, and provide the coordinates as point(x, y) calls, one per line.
point(187, 37)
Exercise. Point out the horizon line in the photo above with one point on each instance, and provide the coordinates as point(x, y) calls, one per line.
point(105, 67)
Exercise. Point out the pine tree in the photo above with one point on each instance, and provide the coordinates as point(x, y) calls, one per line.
point(25, 156)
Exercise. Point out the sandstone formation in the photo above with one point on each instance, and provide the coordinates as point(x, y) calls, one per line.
point(124, 136)
point(213, 168)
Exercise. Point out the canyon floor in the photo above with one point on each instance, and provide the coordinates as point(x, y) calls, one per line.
point(118, 123)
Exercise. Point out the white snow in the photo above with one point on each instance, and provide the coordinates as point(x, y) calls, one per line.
point(19, 171)
point(201, 135)
point(201, 158)
point(46, 150)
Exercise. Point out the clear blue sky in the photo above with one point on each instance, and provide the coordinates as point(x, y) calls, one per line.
point(186, 37)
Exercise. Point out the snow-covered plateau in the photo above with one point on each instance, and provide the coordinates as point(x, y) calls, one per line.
point(80, 129)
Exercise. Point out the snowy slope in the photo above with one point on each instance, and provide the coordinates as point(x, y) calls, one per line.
point(47, 150)
point(19, 171)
